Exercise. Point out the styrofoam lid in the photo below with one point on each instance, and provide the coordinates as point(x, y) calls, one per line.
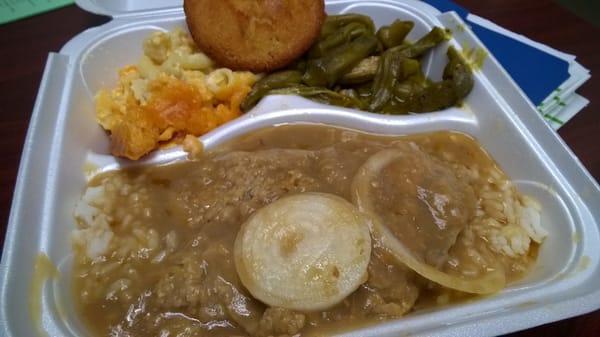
point(122, 7)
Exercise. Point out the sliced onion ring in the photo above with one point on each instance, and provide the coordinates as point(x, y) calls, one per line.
point(306, 251)
point(491, 282)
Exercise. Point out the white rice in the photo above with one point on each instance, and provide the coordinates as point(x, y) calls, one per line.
point(94, 233)
point(94, 213)
point(510, 220)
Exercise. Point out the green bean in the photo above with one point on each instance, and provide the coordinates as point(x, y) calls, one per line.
point(393, 68)
point(343, 35)
point(364, 91)
point(363, 97)
point(459, 73)
point(334, 22)
point(364, 71)
point(321, 95)
point(436, 96)
point(456, 84)
point(427, 42)
point(394, 34)
point(326, 71)
point(419, 95)
point(299, 65)
point(349, 92)
point(405, 91)
point(281, 79)
point(340, 70)
point(405, 94)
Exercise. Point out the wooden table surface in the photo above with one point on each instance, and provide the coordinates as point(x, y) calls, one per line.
point(24, 46)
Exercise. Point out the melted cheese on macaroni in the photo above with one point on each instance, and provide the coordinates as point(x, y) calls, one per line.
point(174, 90)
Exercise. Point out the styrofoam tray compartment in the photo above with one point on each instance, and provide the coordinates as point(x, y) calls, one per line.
point(64, 138)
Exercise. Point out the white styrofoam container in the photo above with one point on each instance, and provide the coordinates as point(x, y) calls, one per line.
point(64, 137)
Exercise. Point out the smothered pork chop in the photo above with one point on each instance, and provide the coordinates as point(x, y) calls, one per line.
point(298, 229)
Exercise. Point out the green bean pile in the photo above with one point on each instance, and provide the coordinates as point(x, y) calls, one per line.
point(352, 65)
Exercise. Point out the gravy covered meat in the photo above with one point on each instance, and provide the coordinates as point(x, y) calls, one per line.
point(298, 230)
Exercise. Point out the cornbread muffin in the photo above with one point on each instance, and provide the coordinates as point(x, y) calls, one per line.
point(257, 35)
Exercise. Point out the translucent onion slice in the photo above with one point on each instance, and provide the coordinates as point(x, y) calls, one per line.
point(490, 282)
point(304, 252)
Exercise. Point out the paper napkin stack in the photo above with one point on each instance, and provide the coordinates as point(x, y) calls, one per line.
point(547, 76)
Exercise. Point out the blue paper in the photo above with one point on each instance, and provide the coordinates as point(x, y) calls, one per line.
point(536, 72)
point(449, 6)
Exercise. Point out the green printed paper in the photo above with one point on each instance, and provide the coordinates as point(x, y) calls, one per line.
point(11, 10)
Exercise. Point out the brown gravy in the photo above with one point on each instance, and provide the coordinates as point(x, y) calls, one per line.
point(165, 267)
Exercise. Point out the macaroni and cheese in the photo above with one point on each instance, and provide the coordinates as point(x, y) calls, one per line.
point(175, 90)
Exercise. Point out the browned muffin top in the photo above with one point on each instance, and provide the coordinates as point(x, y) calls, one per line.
point(255, 35)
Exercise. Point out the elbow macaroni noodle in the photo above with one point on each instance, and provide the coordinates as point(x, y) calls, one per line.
point(174, 90)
